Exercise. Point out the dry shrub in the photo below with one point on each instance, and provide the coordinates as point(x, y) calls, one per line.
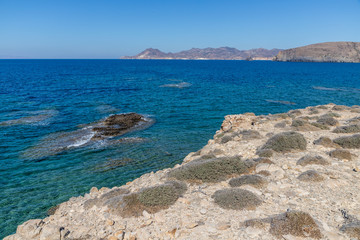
point(296, 223)
point(152, 199)
point(341, 154)
point(348, 142)
point(252, 180)
point(236, 199)
point(212, 170)
point(285, 142)
point(308, 159)
point(310, 176)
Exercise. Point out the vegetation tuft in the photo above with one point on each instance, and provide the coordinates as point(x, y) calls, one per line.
point(328, 121)
point(212, 170)
point(347, 129)
point(348, 142)
point(252, 180)
point(285, 142)
point(341, 154)
point(310, 176)
point(99, 201)
point(236, 199)
point(352, 229)
point(320, 125)
point(298, 123)
point(308, 159)
point(152, 199)
point(326, 142)
point(265, 153)
point(296, 223)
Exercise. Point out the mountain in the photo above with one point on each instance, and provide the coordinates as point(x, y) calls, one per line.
point(322, 52)
point(222, 53)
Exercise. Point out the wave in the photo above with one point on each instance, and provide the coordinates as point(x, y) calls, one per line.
point(177, 85)
point(281, 102)
point(342, 89)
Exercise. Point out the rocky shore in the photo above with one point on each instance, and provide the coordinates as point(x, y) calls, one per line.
point(284, 176)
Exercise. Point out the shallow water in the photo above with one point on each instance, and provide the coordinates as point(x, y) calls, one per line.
point(46, 105)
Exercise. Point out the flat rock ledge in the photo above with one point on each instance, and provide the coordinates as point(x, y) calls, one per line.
point(278, 176)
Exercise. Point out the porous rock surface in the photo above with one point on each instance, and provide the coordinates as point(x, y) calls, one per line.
point(191, 202)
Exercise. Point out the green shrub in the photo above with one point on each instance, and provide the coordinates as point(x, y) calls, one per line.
point(308, 159)
point(265, 153)
point(298, 123)
point(320, 125)
point(348, 142)
point(341, 154)
point(212, 170)
point(152, 199)
point(236, 199)
point(52, 210)
point(322, 107)
point(313, 110)
point(253, 180)
point(310, 176)
point(99, 201)
point(347, 129)
point(249, 134)
point(331, 114)
point(326, 142)
point(339, 108)
point(280, 124)
point(285, 142)
point(329, 121)
point(296, 223)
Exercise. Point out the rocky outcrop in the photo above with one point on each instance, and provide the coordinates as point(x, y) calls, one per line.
point(260, 177)
point(222, 53)
point(322, 52)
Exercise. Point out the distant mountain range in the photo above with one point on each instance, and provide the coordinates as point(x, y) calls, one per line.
point(322, 52)
point(222, 53)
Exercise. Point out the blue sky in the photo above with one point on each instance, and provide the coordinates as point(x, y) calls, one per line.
point(114, 28)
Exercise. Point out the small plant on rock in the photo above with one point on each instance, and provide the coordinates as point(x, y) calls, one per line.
point(285, 142)
point(252, 180)
point(212, 170)
point(348, 142)
point(236, 199)
point(308, 159)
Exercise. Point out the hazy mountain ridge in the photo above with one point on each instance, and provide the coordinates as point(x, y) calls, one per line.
point(322, 52)
point(222, 53)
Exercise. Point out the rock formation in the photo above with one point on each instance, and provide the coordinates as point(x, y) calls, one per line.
point(322, 52)
point(222, 53)
point(284, 176)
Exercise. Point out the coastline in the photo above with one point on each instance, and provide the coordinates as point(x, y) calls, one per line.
point(195, 211)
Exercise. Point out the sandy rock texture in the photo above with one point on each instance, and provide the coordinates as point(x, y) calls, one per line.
point(289, 176)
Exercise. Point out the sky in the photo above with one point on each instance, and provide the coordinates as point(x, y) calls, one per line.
point(108, 29)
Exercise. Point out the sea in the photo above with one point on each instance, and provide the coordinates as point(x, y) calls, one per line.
point(47, 108)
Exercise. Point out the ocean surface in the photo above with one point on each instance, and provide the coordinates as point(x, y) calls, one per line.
point(47, 106)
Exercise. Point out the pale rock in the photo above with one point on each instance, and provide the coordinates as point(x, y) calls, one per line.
point(31, 228)
point(110, 222)
point(146, 214)
point(203, 211)
point(50, 232)
point(94, 190)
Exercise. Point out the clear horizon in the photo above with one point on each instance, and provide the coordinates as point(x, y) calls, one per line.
point(41, 29)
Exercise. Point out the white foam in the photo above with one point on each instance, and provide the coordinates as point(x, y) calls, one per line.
point(82, 141)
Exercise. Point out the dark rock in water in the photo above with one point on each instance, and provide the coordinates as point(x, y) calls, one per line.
point(116, 125)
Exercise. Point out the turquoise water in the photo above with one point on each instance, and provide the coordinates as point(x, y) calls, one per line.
point(48, 103)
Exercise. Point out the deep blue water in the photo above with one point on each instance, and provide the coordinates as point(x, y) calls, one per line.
point(58, 97)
